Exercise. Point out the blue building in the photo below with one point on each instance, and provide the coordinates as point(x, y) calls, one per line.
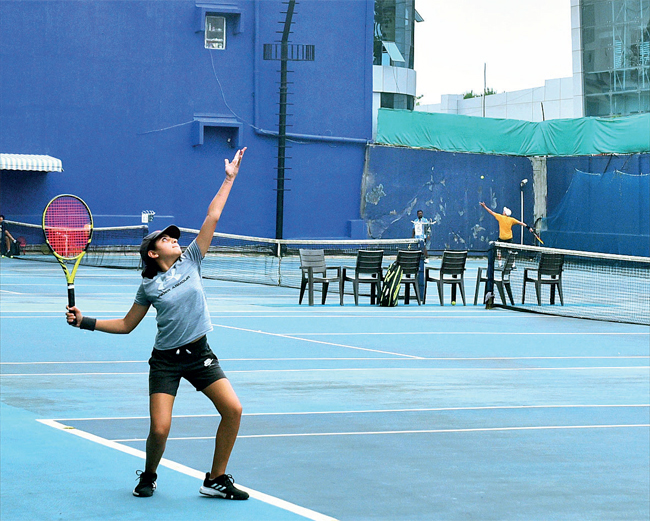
point(143, 100)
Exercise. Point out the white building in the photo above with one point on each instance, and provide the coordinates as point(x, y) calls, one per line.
point(554, 100)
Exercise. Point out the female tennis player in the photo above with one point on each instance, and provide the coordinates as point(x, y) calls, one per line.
point(171, 283)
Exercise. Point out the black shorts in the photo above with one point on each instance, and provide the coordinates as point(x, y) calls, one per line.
point(195, 362)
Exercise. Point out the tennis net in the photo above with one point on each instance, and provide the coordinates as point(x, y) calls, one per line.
point(236, 258)
point(276, 262)
point(111, 247)
point(588, 285)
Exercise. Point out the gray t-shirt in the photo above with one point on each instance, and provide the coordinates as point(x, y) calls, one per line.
point(179, 299)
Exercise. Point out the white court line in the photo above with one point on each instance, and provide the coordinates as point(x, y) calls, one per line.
point(500, 333)
point(91, 362)
point(498, 369)
point(281, 314)
point(321, 359)
point(45, 273)
point(135, 287)
point(6, 375)
point(178, 467)
point(361, 369)
point(379, 311)
point(316, 341)
point(352, 369)
point(251, 314)
point(375, 411)
point(423, 431)
point(59, 315)
point(248, 295)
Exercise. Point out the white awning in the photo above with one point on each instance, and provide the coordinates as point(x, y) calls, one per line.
point(393, 51)
point(30, 163)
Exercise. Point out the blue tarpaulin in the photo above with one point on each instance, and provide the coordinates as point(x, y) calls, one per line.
point(606, 213)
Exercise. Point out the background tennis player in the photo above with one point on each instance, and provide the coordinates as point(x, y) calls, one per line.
point(171, 283)
point(506, 222)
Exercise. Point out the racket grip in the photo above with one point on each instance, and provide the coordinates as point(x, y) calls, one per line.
point(70, 295)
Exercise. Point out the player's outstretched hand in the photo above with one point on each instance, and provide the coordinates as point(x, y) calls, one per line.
point(232, 169)
point(73, 316)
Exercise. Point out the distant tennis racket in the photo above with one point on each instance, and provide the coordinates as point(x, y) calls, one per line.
point(68, 229)
point(531, 230)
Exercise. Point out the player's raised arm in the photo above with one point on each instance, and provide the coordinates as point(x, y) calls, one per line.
point(216, 206)
point(485, 206)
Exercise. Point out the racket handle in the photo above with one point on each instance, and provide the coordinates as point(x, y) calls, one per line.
point(70, 295)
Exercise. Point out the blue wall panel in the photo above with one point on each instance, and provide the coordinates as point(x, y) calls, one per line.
point(112, 89)
point(448, 188)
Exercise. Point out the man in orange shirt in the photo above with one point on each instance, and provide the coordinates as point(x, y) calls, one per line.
point(505, 223)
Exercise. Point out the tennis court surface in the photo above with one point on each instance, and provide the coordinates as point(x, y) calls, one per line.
point(350, 413)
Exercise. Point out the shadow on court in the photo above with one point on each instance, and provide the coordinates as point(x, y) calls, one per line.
point(353, 413)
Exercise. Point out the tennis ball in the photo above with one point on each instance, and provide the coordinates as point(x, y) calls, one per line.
point(482, 177)
point(453, 302)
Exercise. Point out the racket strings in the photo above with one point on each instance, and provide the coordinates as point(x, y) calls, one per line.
point(68, 226)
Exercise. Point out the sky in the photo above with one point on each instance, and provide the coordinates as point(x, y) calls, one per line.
point(523, 43)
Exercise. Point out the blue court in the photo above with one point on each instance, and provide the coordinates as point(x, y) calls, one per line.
point(350, 413)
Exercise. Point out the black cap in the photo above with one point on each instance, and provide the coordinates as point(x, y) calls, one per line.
point(149, 242)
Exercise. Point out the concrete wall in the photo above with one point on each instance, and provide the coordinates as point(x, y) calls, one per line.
point(554, 100)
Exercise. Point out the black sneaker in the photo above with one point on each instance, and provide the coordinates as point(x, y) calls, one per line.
point(147, 484)
point(222, 486)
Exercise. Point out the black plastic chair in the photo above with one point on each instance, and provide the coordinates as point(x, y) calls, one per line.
point(451, 272)
point(367, 271)
point(410, 264)
point(549, 272)
point(501, 279)
point(314, 271)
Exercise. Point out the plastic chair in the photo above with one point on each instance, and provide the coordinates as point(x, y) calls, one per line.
point(451, 272)
point(367, 271)
point(549, 272)
point(314, 271)
point(501, 278)
point(410, 263)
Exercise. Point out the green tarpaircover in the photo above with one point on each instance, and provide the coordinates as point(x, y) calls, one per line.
point(558, 137)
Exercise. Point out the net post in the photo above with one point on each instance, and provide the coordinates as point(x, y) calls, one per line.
point(488, 296)
point(279, 255)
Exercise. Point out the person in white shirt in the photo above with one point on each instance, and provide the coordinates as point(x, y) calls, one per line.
point(422, 232)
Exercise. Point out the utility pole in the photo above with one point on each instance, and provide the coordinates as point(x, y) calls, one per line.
point(287, 52)
point(484, 86)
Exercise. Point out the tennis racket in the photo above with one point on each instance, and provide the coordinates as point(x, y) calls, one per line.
point(68, 229)
point(531, 230)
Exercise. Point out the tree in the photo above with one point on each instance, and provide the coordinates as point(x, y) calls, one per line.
point(471, 94)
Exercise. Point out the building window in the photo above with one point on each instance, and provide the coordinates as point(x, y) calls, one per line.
point(394, 21)
point(397, 101)
point(215, 32)
point(616, 59)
